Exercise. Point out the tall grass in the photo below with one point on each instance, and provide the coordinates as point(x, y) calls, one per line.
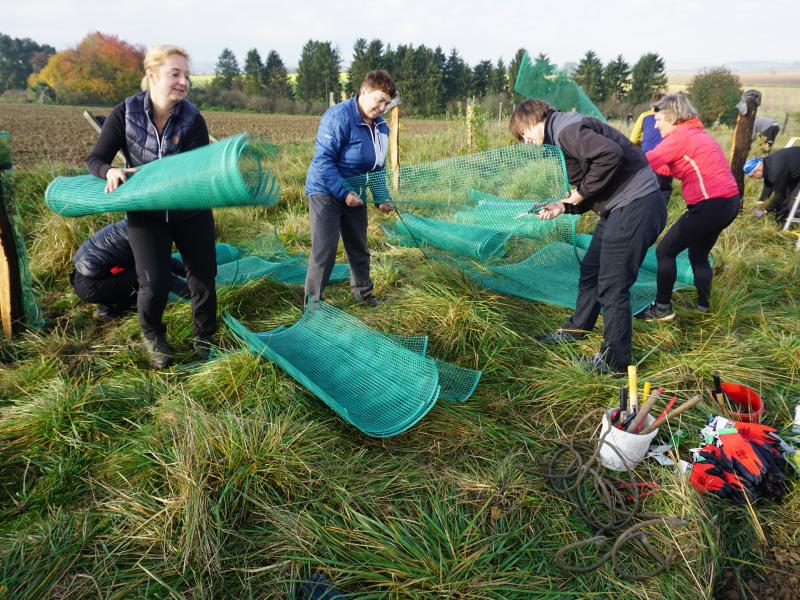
point(228, 480)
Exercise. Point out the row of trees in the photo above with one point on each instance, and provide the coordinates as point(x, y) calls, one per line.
point(104, 69)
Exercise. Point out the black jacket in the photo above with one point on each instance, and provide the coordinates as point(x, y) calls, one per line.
point(600, 161)
point(781, 176)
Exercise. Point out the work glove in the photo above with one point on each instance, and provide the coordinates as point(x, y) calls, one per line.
point(756, 433)
point(742, 456)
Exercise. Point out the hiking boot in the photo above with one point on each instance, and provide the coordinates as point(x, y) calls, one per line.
point(203, 344)
point(597, 364)
point(372, 301)
point(561, 336)
point(106, 313)
point(657, 312)
point(159, 351)
point(702, 309)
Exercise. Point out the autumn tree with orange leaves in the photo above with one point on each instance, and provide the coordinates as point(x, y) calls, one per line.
point(102, 69)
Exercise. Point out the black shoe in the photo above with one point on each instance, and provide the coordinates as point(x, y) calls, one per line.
point(159, 351)
point(371, 300)
point(203, 346)
point(106, 313)
point(597, 364)
point(318, 588)
point(657, 312)
point(561, 336)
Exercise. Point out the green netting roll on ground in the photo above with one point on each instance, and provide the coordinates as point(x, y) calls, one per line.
point(541, 79)
point(231, 172)
point(381, 384)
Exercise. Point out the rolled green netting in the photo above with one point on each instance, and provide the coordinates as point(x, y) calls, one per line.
point(381, 384)
point(231, 172)
point(541, 79)
point(34, 317)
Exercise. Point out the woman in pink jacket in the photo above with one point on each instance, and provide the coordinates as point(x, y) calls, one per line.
point(711, 194)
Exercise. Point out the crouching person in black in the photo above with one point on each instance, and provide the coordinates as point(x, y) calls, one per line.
point(157, 122)
point(105, 273)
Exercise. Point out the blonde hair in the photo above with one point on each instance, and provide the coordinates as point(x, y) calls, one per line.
point(677, 108)
point(156, 56)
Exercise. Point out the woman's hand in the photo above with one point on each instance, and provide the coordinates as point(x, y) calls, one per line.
point(116, 177)
point(574, 198)
point(551, 211)
point(386, 207)
point(352, 200)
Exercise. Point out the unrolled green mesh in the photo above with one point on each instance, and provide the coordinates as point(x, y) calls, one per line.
point(541, 79)
point(34, 317)
point(381, 384)
point(479, 213)
point(231, 172)
point(265, 257)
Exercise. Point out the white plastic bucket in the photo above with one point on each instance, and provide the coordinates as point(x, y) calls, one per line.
point(631, 448)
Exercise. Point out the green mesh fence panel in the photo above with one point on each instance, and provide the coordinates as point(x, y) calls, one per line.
point(381, 384)
point(34, 318)
point(231, 172)
point(540, 79)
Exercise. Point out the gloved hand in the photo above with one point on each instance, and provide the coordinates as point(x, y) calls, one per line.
point(742, 456)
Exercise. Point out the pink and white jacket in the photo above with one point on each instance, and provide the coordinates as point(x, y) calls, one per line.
point(694, 157)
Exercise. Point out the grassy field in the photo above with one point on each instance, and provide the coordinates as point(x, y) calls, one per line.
point(228, 480)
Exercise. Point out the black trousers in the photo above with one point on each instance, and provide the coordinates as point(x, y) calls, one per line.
point(151, 241)
point(118, 291)
point(330, 219)
point(609, 269)
point(697, 229)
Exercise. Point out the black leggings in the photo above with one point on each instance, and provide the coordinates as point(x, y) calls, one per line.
point(151, 241)
point(697, 229)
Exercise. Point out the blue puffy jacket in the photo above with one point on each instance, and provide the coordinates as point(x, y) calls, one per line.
point(346, 147)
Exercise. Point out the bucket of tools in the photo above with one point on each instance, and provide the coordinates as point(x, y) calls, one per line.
point(622, 450)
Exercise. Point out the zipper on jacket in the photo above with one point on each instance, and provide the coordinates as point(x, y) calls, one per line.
point(160, 140)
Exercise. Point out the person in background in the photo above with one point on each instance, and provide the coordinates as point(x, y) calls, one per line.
point(352, 140)
point(105, 273)
point(765, 130)
point(645, 134)
point(709, 189)
point(612, 178)
point(147, 126)
point(781, 174)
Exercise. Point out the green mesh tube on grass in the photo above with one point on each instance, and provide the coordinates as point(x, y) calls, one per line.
point(381, 384)
point(231, 172)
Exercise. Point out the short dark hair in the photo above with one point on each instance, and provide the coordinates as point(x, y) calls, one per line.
point(379, 79)
point(527, 113)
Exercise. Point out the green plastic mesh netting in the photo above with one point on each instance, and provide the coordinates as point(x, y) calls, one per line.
point(231, 172)
point(264, 257)
point(475, 211)
point(34, 317)
point(381, 384)
point(541, 79)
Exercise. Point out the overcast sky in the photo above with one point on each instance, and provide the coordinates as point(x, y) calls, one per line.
point(687, 33)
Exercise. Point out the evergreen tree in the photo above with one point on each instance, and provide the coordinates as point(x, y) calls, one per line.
point(589, 75)
point(616, 78)
point(253, 81)
point(457, 78)
point(318, 71)
point(647, 78)
point(227, 70)
point(482, 78)
point(513, 71)
point(276, 78)
point(366, 58)
point(499, 83)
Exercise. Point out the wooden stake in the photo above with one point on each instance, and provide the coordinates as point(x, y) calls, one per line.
point(742, 138)
point(470, 116)
point(11, 309)
point(394, 146)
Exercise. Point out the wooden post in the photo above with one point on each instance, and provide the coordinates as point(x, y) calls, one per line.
point(470, 117)
point(500, 114)
point(11, 307)
point(394, 146)
point(743, 136)
point(330, 99)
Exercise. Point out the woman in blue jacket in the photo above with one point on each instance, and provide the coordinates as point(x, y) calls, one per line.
point(352, 140)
